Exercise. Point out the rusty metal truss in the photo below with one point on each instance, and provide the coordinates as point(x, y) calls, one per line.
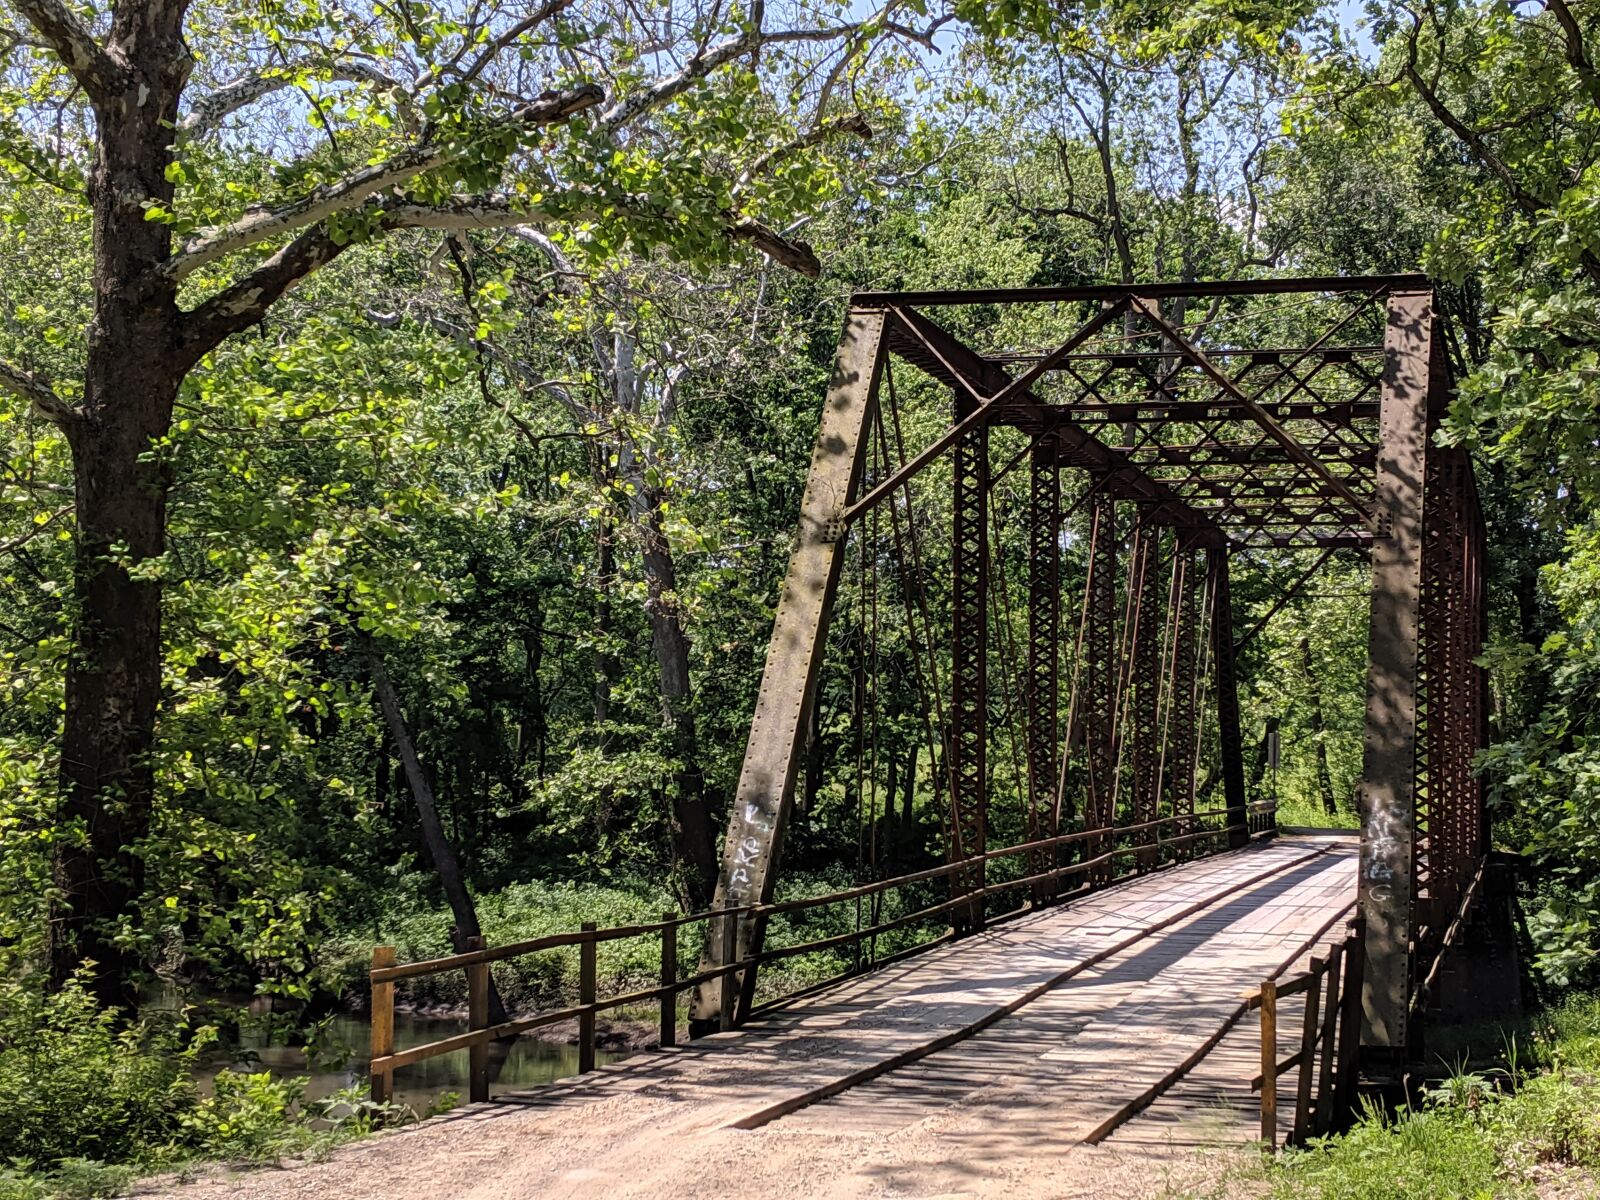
point(1124, 468)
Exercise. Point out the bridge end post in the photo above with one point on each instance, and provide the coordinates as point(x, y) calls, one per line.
point(765, 791)
point(1389, 759)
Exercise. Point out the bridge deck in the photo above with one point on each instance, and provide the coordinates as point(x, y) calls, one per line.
point(972, 1069)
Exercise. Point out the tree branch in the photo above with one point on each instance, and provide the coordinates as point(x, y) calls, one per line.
point(854, 123)
point(211, 110)
point(90, 65)
point(793, 253)
point(703, 63)
point(244, 302)
point(37, 391)
point(1577, 54)
point(1469, 137)
point(35, 530)
point(499, 212)
point(539, 16)
point(354, 189)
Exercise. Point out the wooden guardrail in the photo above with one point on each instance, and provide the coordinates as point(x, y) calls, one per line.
point(1330, 1033)
point(723, 925)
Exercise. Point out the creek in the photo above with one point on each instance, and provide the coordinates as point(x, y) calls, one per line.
point(512, 1067)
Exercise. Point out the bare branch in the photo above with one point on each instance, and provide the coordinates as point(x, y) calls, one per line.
point(90, 65)
point(702, 64)
point(39, 392)
point(540, 15)
point(356, 188)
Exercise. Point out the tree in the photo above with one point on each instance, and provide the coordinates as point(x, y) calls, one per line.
point(614, 128)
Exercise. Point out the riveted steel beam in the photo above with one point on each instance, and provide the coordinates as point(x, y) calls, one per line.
point(1225, 680)
point(1389, 759)
point(765, 791)
point(1098, 695)
point(969, 686)
point(1044, 648)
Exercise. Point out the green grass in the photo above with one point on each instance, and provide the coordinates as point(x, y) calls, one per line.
point(1527, 1127)
point(1308, 813)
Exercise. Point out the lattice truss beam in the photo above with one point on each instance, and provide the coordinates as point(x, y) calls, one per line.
point(1049, 527)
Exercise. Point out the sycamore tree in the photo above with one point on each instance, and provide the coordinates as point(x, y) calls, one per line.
point(197, 161)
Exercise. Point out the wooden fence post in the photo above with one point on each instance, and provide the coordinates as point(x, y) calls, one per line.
point(586, 996)
point(478, 1018)
point(1269, 1063)
point(382, 1026)
point(669, 979)
point(1350, 1021)
point(1308, 1054)
point(730, 954)
point(1330, 1028)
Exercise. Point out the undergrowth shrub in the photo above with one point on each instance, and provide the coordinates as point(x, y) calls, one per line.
point(74, 1085)
point(1495, 1134)
point(87, 1102)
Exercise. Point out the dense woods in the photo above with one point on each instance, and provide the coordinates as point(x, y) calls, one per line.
point(405, 410)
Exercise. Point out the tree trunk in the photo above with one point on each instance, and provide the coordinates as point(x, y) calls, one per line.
point(907, 817)
point(1319, 731)
point(605, 667)
point(439, 849)
point(1258, 773)
point(814, 761)
point(695, 834)
point(134, 363)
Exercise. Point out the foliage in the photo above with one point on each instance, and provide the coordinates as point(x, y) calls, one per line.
point(89, 1102)
point(549, 466)
point(1506, 1133)
point(75, 1085)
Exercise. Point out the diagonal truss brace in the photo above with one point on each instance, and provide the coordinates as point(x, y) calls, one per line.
point(953, 362)
point(1269, 423)
point(987, 404)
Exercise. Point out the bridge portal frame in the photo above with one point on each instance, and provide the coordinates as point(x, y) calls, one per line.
point(1309, 478)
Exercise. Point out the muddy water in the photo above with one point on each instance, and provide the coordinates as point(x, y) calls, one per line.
point(524, 1063)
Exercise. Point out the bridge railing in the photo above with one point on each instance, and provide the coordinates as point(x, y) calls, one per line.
point(1042, 886)
point(1325, 1064)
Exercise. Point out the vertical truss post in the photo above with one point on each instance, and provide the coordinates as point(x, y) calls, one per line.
point(1229, 738)
point(969, 704)
point(1144, 692)
point(1098, 691)
point(765, 790)
point(1183, 703)
point(1389, 759)
point(1450, 811)
point(1044, 651)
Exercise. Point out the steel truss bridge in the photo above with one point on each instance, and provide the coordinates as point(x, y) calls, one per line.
point(1016, 556)
point(1161, 432)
